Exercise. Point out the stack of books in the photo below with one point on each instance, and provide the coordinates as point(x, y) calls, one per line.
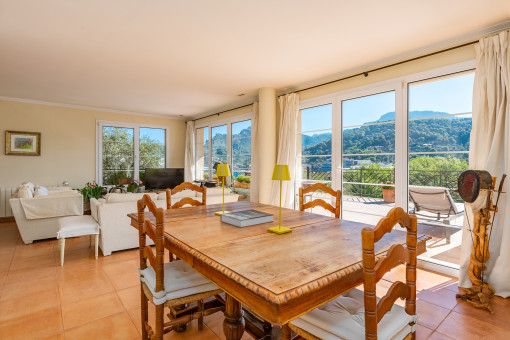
point(246, 218)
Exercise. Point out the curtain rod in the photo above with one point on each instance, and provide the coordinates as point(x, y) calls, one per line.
point(364, 73)
point(218, 113)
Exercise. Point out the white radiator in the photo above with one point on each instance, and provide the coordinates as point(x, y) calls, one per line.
point(5, 207)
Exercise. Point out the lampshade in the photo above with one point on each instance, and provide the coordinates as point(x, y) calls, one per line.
point(281, 172)
point(223, 170)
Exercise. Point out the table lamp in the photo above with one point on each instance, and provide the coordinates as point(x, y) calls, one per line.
point(280, 173)
point(222, 171)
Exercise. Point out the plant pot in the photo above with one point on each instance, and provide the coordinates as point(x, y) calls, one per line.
point(241, 185)
point(388, 195)
point(86, 205)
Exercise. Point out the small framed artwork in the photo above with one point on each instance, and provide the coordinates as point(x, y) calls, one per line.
point(22, 143)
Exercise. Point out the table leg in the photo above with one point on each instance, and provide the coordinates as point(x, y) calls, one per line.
point(286, 332)
point(233, 325)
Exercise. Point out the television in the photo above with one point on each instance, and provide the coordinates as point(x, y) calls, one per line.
point(165, 178)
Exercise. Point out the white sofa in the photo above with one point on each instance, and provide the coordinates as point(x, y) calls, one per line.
point(36, 217)
point(111, 215)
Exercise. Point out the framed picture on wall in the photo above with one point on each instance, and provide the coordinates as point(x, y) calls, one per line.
point(22, 143)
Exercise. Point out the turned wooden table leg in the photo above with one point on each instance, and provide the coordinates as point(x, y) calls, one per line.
point(286, 332)
point(233, 325)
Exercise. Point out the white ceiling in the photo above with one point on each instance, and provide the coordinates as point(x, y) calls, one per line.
point(191, 57)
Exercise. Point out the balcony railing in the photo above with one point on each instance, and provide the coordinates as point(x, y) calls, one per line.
point(365, 182)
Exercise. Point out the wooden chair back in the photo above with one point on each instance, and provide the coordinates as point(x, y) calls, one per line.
point(319, 202)
point(397, 254)
point(185, 200)
point(145, 228)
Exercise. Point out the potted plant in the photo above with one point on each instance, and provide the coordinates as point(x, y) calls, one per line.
point(242, 182)
point(119, 188)
point(90, 190)
point(135, 186)
point(388, 191)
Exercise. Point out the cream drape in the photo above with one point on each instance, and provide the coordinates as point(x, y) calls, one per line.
point(490, 150)
point(254, 187)
point(189, 152)
point(289, 109)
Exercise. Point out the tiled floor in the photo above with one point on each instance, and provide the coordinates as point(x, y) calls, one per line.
point(89, 299)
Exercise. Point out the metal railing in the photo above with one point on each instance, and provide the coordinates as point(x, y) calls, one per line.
point(366, 182)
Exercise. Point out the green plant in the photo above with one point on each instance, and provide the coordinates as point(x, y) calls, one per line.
point(133, 186)
point(118, 186)
point(388, 185)
point(240, 178)
point(91, 190)
point(247, 179)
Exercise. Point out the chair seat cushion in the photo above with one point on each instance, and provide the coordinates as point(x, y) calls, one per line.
point(344, 318)
point(72, 226)
point(180, 281)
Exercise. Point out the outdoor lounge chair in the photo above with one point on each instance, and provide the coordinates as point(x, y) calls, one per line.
point(434, 204)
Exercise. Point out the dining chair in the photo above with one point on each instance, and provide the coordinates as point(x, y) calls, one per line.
point(308, 191)
point(167, 284)
point(361, 315)
point(186, 200)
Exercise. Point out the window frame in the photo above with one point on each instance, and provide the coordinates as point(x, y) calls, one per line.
point(136, 145)
point(401, 87)
point(228, 122)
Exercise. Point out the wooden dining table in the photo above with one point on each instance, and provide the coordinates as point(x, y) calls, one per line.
point(277, 277)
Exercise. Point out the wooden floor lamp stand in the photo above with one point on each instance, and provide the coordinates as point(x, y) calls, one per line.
point(480, 294)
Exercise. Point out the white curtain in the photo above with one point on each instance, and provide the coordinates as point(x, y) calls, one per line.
point(289, 109)
point(490, 150)
point(189, 152)
point(254, 187)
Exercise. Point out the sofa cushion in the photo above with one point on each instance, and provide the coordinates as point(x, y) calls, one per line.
point(180, 281)
point(129, 197)
point(40, 191)
point(24, 192)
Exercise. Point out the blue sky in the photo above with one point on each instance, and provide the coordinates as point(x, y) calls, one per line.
point(157, 135)
point(451, 95)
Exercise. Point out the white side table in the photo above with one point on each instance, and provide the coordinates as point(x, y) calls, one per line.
point(74, 226)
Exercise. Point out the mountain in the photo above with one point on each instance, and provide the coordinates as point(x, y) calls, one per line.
point(390, 116)
point(308, 141)
point(427, 135)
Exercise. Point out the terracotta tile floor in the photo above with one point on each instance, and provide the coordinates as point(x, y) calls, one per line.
point(89, 299)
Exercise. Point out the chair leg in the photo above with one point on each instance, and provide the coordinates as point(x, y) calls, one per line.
point(144, 308)
point(62, 246)
point(159, 322)
point(200, 305)
point(97, 245)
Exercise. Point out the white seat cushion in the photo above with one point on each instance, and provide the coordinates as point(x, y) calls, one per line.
point(344, 318)
point(180, 281)
point(72, 226)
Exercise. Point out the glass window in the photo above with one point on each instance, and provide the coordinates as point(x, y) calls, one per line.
point(119, 153)
point(218, 146)
point(439, 131)
point(241, 151)
point(229, 143)
point(152, 147)
point(202, 154)
point(368, 155)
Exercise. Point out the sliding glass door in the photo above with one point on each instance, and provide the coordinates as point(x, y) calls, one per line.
point(368, 156)
point(439, 113)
